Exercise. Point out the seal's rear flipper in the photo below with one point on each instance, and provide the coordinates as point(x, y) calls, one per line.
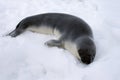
point(12, 34)
point(15, 33)
point(54, 43)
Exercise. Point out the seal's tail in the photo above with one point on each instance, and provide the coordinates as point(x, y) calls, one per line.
point(17, 31)
point(12, 34)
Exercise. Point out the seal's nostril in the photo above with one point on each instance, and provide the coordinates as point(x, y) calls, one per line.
point(91, 59)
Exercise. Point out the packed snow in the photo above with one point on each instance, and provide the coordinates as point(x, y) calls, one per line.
point(27, 58)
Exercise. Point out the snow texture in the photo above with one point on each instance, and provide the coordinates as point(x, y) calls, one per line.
point(27, 58)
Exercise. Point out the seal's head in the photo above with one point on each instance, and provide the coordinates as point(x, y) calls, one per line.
point(86, 49)
point(87, 55)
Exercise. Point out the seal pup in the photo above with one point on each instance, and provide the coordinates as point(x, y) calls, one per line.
point(73, 33)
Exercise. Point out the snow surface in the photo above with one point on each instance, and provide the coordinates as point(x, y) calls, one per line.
point(27, 58)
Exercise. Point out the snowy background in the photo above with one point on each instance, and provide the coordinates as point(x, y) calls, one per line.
point(27, 58)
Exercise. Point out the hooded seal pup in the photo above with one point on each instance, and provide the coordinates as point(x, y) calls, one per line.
point(73, 33)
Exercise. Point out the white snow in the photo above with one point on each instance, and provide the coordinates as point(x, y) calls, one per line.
point(27, 58)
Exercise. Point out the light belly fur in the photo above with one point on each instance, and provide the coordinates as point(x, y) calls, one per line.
point(41, 29)
point(71, 47)
point(44, 30)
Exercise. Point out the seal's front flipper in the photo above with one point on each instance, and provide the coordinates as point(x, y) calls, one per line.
point(53, 43)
